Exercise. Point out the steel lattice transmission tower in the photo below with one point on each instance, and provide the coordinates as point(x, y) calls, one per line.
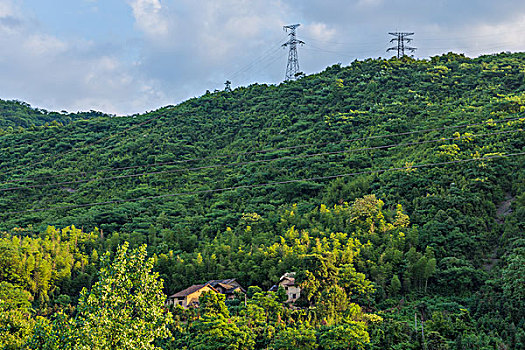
point(401, 39)
point(293, 61)
point(228, 86)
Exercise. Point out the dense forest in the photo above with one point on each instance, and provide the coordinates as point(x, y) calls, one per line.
point(15, 116)
point(393, 188)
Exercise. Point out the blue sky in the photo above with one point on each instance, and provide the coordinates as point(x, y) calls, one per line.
point(130, 56)
point(93, 20)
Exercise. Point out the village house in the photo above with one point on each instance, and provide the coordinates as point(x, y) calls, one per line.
point(287, 281)
point(189, 297)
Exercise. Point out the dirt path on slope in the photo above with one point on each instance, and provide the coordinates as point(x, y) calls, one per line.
point(504, 209)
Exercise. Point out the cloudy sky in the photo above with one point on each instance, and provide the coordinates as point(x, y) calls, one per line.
point(130, 56)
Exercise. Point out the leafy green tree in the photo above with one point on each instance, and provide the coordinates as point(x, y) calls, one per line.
point(292, 338)
point(430, 269)
point(59, 334)
point(514, 277)
point(123, 310)
point(215, 329)
point(281, 294)
point(254, 317)
point(16, 323)
point(395, 285)
point(253, 290)
point(513, 285)
point(351, 335)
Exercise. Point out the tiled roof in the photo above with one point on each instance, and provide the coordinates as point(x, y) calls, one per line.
point(190, 290)
point(227, 281)
point(229, 285)
point(225, 286)
point(287, 281)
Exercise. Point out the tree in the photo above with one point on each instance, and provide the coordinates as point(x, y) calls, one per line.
point(215, 329)
point(513, 278)
point(60, 334)
point(352, 335)
point(281, 294)
point(395, 285)
point(300, 337)
point(430, 269)
point(15, 316)
point(125, 308)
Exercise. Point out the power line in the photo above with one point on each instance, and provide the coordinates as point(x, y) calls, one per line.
point(54, 156)
point(265, 55)
point(270, 54)
point(261, 68)
point(253, 161)
point(346, 44)
point(103, 139)
point(367, 46)
point(224, 189)
point(477, 36)
point(456, 37)
point(108, 137)
point(378, 52)
point(310, 47)
point(268, 150)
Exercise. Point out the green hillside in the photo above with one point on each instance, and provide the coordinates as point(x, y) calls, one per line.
point(394, 188)
point(15, 115)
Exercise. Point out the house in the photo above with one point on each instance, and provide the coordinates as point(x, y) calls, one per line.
point(189, 296)
point(228, 287)
point(287, 281)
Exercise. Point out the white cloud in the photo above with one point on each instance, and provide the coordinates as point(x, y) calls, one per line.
point(42, 44)
point(210, 41)
point(370, 3)
point(71, 74)
point(474, 39)
point(498, 36)
point(6, 8)
point(321, 31)
point(150, 17)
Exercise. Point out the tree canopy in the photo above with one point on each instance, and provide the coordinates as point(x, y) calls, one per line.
point(394, 189)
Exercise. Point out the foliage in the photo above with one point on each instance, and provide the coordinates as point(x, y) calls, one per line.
point(215, 329)
point(123, 310)
point(15, 116)
point(379, 253)
point(15, 316)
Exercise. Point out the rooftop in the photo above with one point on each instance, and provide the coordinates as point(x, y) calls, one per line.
point(190, 290)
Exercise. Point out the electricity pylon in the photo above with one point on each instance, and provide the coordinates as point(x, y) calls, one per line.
point(292, 68)
point(401, 39)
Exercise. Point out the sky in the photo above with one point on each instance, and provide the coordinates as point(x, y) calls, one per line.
point(131, 56)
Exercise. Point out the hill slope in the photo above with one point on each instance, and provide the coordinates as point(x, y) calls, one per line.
point(223, 185)
point(377, 99)
point(16, 114)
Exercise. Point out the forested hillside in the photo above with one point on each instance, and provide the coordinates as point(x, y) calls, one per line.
point(16, 116)
point(394, 188)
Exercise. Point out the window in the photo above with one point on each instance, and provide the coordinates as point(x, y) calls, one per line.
point(293, 296)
